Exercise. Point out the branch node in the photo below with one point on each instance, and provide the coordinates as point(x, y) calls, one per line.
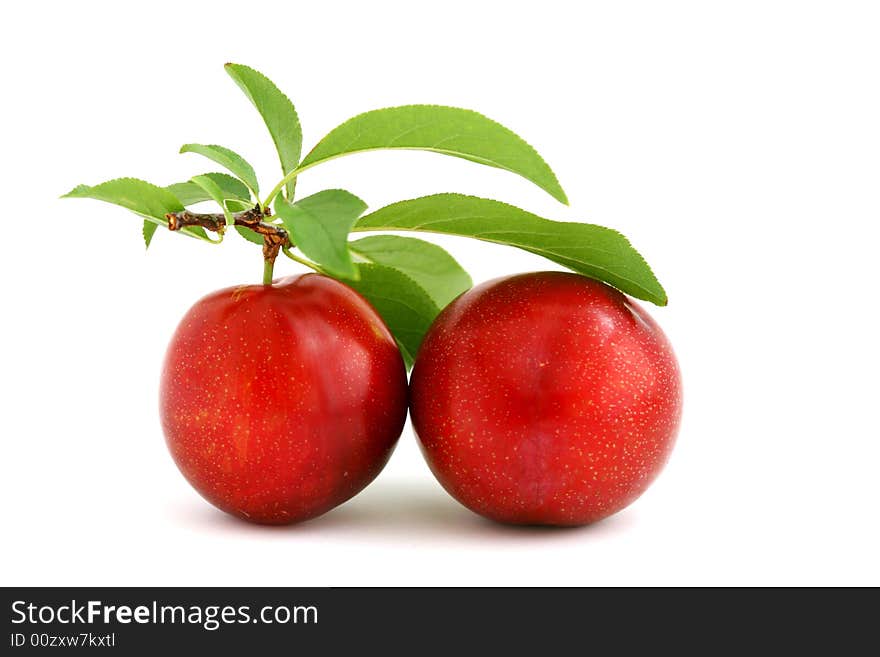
point(275, 238)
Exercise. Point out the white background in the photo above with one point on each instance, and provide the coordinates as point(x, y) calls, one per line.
point(736, 143)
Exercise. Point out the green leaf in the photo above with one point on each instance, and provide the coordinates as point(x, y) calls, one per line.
point(136, 195)
point(149, 230)
point(189, 193)
point(448, 130)
point(228, 159)
point(405, 307)
point(144, 199)
point(320, 224)
point(278, 113)
point(192, 231)
point(214, 191)
point(436, 272)
point(593, 251)
point(249, 235)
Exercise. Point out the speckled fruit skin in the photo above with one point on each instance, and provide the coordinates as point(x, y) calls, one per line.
point(281, 402)
point(545, 398)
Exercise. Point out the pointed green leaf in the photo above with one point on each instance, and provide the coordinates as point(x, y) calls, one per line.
point(320, 224)
point(228, 159)
point(136, 195)
point(145, 199)
point(448, 130)
point(436, 272)
point(278, 113)
point(189, 193)
point(213, 190)
point(249, 235)
point(407, 310)
point(149, 230)
point(593, 251)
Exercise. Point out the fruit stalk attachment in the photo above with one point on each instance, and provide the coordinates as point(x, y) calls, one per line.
point(275, 237)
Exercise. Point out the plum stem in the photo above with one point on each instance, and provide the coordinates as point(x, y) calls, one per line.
point(268, 268)
point(275, 237)
point(302, 261)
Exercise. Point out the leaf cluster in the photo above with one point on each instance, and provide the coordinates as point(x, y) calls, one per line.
point(408, 280)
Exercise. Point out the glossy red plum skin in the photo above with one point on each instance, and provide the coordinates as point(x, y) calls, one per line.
point(545, 398)
point(280, 402)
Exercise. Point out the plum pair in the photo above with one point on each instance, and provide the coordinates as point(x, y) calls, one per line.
point(543, 398)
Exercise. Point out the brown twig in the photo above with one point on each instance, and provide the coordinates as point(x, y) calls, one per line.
point(275, 237)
